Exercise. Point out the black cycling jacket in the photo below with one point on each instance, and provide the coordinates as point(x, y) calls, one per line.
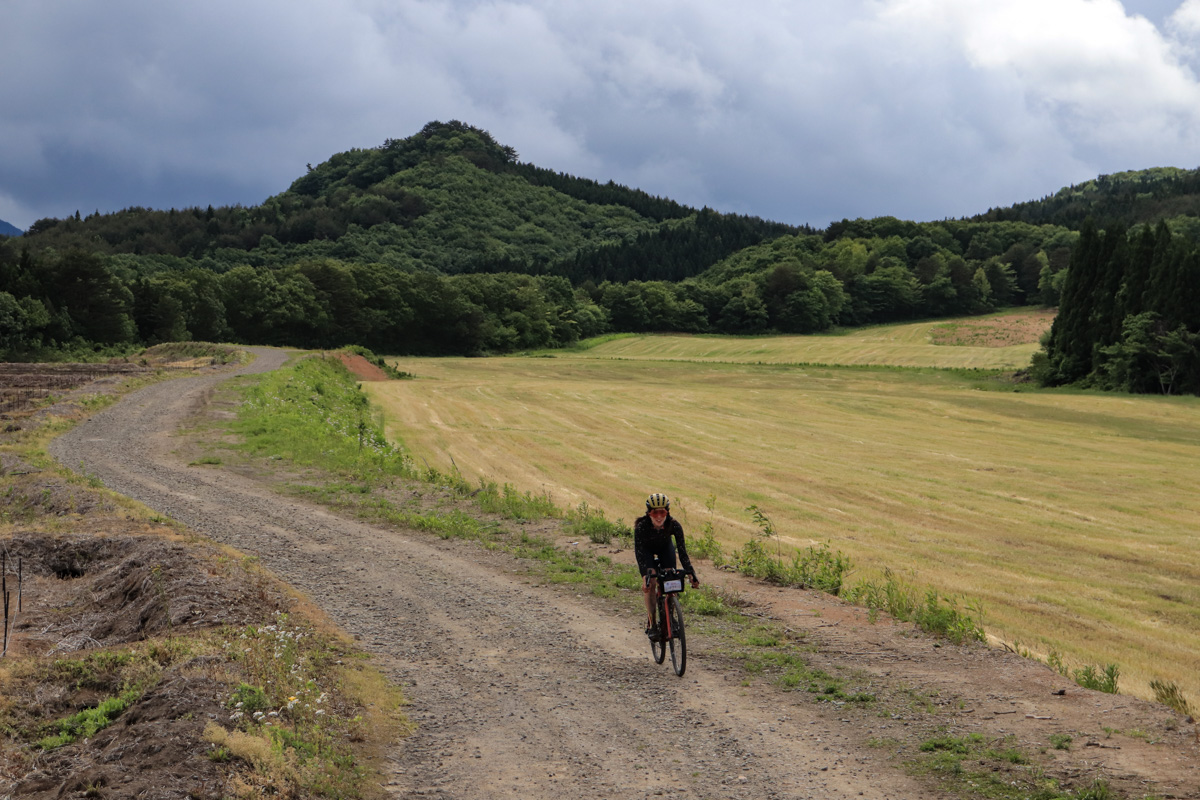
point(646, 537)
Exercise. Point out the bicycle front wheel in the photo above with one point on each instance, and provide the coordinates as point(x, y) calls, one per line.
point(658, 645)
point(678, 643)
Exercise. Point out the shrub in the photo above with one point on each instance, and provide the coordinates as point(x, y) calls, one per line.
point(1090, 678)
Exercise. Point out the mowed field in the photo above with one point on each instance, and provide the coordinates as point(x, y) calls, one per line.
point(1071, 516)
point(999, 341)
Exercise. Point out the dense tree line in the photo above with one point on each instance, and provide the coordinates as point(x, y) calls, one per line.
point(870, 271)
point(673, 252)
point(78, 299)
point(593, 192)
point(1130, 314)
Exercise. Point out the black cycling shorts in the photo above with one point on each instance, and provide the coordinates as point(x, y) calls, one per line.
point(662, 553)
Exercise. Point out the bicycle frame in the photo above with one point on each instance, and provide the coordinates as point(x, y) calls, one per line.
point(667, 584)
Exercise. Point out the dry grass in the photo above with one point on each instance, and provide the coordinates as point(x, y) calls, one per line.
point(1071, 516)
point(997, 330)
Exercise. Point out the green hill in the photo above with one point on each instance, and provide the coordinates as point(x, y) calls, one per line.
point(449, 199)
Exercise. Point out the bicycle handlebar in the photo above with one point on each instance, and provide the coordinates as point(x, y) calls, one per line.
point(667, 574)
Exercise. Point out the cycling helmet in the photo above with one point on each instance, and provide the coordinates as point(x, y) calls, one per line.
point(657, 500)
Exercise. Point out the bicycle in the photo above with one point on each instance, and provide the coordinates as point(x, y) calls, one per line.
point(669, 619)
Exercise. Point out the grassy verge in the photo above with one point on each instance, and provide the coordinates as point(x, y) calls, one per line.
point(298, 707)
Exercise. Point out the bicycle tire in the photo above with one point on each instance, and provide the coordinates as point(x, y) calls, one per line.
point(678, 643)
point(658, 647)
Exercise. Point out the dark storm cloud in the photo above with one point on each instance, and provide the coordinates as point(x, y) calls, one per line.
point(798, 111)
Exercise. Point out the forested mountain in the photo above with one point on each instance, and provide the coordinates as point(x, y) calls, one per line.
point(1126, 199)
point(8, 229)
point(448, 200)
point(444, 242)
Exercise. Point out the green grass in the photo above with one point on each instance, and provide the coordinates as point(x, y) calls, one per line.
point(970, 765)
point(310, 414)
point(90, 721)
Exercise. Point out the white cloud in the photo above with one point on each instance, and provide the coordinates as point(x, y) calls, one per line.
point(1186, 18)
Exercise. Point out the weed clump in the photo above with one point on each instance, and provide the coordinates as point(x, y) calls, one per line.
point(817, 567)
point(932, 612)
point(1088, 676)
point(584, 520)
point(1168, 693)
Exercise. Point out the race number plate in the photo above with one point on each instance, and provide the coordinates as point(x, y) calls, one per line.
point(671, 586)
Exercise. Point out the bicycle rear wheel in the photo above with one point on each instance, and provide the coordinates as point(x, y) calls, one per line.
point(658, 646)
point(678, 643)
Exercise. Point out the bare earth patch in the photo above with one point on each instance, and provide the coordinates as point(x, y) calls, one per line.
point(361, 368)
point(1025, 327)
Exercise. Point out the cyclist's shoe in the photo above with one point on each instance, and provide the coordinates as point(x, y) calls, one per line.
point(652, 633)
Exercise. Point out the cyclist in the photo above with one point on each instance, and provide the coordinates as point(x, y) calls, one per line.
point(656, 537)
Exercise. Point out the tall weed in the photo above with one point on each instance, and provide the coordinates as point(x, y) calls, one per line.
point(706, 544)
point(1100, 680)
point(1167, 693)
point(510, 503)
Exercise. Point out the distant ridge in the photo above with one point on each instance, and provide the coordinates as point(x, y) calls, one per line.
point(7, 229)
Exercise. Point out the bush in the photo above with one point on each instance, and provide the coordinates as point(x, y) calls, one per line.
point(816, 567)
point(1090, 678)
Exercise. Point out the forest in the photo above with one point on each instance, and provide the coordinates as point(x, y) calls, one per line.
point(1129, 319)
point(445, 243)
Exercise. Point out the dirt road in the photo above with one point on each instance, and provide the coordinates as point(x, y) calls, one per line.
point(524, 690)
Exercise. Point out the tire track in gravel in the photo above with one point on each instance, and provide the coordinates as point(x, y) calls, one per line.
point(517, 689)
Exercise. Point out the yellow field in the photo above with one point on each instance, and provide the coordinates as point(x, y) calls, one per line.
point(1071, 516)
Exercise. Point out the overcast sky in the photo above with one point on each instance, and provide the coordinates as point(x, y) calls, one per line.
point(802, 111)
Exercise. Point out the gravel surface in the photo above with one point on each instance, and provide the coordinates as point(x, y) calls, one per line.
point(517, 689)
